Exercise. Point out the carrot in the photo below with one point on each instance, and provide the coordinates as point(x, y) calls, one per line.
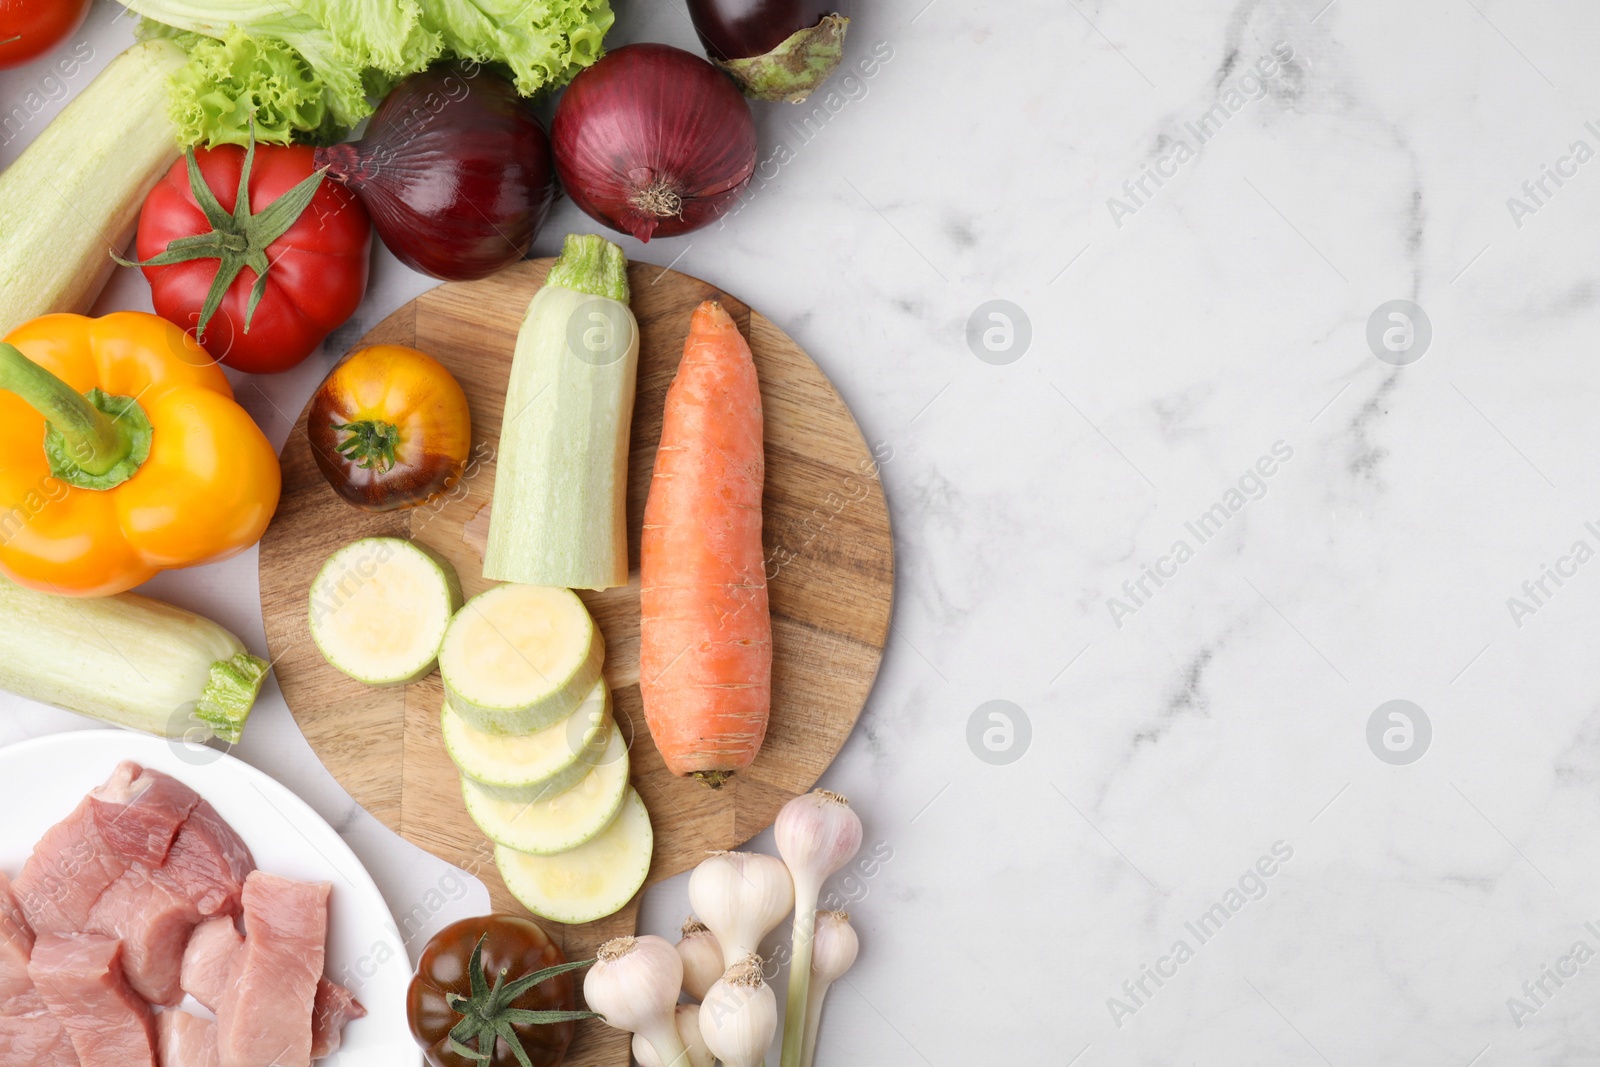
point(705, 658)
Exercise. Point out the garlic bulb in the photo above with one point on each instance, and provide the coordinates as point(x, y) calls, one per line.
point(817, 834)
point(702, 958)
point(740, 1015)
point(742, 897)
point(634, 984)
point(689, 1031)
point(833, 952)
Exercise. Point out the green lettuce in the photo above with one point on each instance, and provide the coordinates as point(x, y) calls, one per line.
point(232, 82)
point(346, 46)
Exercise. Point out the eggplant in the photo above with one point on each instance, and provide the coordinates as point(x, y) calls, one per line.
point(773, 49)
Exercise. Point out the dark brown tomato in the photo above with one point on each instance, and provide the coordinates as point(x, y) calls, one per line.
point(389, 428)
point(514, 945)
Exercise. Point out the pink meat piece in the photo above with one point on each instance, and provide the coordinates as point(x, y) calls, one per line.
point(138, 812)
point(69, 869)
point(208, 959)
point(30, 1036)
point(185, 1040)
point(133, 819)
point(208, 864)
point(80, 978)
point(265, 1016)
point(16, 945)
point(153, 925)
point(334, 1007)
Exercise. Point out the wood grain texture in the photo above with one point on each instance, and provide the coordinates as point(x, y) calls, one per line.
point(830, 571)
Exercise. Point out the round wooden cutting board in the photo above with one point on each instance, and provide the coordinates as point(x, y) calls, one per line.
point(830, 570)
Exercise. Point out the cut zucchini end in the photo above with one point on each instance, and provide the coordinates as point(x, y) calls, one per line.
point(594, 880)
point(561, 821)
point(530, 767)
point(379, 608)
point(230, 693)
point(520, 658)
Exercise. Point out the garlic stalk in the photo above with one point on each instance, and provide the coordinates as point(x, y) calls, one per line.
point(742, 897)
point(702, 958)
point(740, 1015)
point(833, 952)
point(634, 985)
point(817, 834)
point(689, 1031)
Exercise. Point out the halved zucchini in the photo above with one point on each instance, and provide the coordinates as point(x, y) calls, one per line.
point(380, 608)
point(520, 657)
point(530, 767)
point(563, 820)
point(594, 880)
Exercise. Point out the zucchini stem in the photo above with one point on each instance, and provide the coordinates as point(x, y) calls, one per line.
point(230, 691)
point(593, 265)
point(94, 441)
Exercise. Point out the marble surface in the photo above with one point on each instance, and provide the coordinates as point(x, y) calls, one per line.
point(1196, 509)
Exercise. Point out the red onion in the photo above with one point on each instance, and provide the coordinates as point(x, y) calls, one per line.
point(654, 141)
point(455, 171)
point(774, 49)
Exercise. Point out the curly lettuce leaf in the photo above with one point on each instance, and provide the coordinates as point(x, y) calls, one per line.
point(231, 83)
point(350, 45)
point(544, 42)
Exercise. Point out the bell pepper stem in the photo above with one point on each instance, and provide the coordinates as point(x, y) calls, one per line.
point(96, 442)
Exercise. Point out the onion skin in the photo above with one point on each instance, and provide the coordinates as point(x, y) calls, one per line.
point(654, 141)
point(455, 171)
point(774, 49)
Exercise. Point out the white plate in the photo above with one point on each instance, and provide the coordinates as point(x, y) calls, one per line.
point(42, 780)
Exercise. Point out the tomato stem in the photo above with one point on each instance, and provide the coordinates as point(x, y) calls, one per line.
point(93, 440)
point(371, 443)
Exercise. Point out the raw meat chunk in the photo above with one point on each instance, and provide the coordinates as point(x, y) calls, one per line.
point(265, 1016)
point(69, 869)
point(185, 1040)
point(133, 819)
point(31, 1037)
point(335, 1006)
point(207, 959)
point(154, 926)
point(208, 864)
point(80, 978)
point(138, 812)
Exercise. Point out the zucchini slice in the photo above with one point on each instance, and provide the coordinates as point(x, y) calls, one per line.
point(380, 607)
point(520, 658)
point(532, 767)
point(562, 820)
point(594, 880)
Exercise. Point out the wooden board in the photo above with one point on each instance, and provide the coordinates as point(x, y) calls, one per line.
point(830, 571)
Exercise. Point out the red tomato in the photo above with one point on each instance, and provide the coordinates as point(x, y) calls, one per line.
point(317, 269)
point(30, 28)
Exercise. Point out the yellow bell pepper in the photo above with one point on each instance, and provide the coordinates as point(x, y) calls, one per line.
point(122, 453)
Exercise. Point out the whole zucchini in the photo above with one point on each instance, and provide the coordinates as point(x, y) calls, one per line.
point(81, 183)
point(127, 660)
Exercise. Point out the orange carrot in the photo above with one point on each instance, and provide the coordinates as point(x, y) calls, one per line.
point(705, 658)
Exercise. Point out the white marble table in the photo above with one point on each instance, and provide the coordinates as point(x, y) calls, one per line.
point(1196, 510)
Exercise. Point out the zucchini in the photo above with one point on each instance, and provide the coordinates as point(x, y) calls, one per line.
point(594, 880)
point(520, 658)
point(531, 767)
point(379, 609)
point(561, 479)
point(564, 820)
point(127, 660)
point(81, 183)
